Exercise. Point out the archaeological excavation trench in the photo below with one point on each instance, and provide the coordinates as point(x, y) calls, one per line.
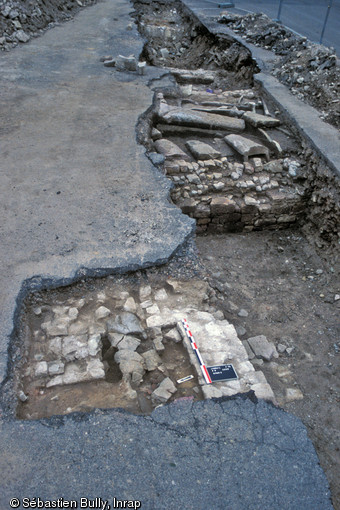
point(249, 181)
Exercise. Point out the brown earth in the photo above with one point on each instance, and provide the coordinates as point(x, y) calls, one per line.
point(276, 277)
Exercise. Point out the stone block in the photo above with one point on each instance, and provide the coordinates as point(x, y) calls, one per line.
point(151, 360)
point(58, 327)
point(246, 147)
point(173, 335)
point(102, 312)
point(264, 391)
point(262, 348)
point(222, 205)
point(128, 342)
point(56, 368)
point(163, 392)
point(275, 166)
point(75, 347)
point(125, 323)
point(54, 346)
point(170, 150)
point(206, 120)
point(258, 120)
point(158, 344)
point(161, 295)
point(41, 369)
point(130, 305)
point(202, 151)
point(202, 211)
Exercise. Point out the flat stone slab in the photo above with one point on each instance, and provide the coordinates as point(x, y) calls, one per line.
point(201, 150)
point(203, 120)
point(170, 150)
point(246, 147)
point(195, 76)
point(258, 120)
point(219, 344)
point(262, 348)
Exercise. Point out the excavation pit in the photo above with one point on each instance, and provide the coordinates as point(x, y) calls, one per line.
point(98, 351)
point(125, 346)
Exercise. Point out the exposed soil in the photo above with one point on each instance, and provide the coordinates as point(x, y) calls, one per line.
point(310, 70)
point(293, 299)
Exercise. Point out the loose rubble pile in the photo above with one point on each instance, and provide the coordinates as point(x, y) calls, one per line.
point(310, 70)
point(128, 339)
point(20, 20)
point(220, 150)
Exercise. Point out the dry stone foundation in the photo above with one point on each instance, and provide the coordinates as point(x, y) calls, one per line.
point(230, 160)
point(126, 340)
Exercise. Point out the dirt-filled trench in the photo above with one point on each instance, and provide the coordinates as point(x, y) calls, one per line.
point(262, 272)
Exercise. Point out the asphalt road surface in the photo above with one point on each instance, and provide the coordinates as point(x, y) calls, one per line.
point(305, 17)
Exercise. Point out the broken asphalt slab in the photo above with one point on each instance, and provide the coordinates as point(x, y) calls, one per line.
point(213, 454)
point(78, 195)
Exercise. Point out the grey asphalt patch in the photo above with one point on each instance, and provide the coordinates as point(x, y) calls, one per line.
point(78, 194)
point(213, 454)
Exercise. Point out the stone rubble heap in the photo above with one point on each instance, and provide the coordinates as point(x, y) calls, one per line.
point(309, 69)
point(68, 345)
point(20, 20)
point(238, 178)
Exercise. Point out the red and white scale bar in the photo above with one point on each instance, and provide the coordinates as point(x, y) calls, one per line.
point(205, 372)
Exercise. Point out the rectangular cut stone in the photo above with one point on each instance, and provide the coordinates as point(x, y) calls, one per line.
point(203, 120)
point(202, 150)
point(188, 206)
point(194, 76)
point(257, 120)
point(222, 205)
point(246, 147)
point(170, 150)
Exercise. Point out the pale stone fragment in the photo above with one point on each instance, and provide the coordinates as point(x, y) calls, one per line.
point(262, 348)
point(102, 312)
point(94, 345)
point(246, 147)
point(41, 369)
point(56, 368)
point(130, 305)
point(203, 120)
point(293, 394)
point(173, 335)
point(153, 310)
point(170, 150)
point(144, 292)
point(161, 295)
point(201, 150)
point(258, 120)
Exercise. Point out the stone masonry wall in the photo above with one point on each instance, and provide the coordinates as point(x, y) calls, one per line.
point(221, 152)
